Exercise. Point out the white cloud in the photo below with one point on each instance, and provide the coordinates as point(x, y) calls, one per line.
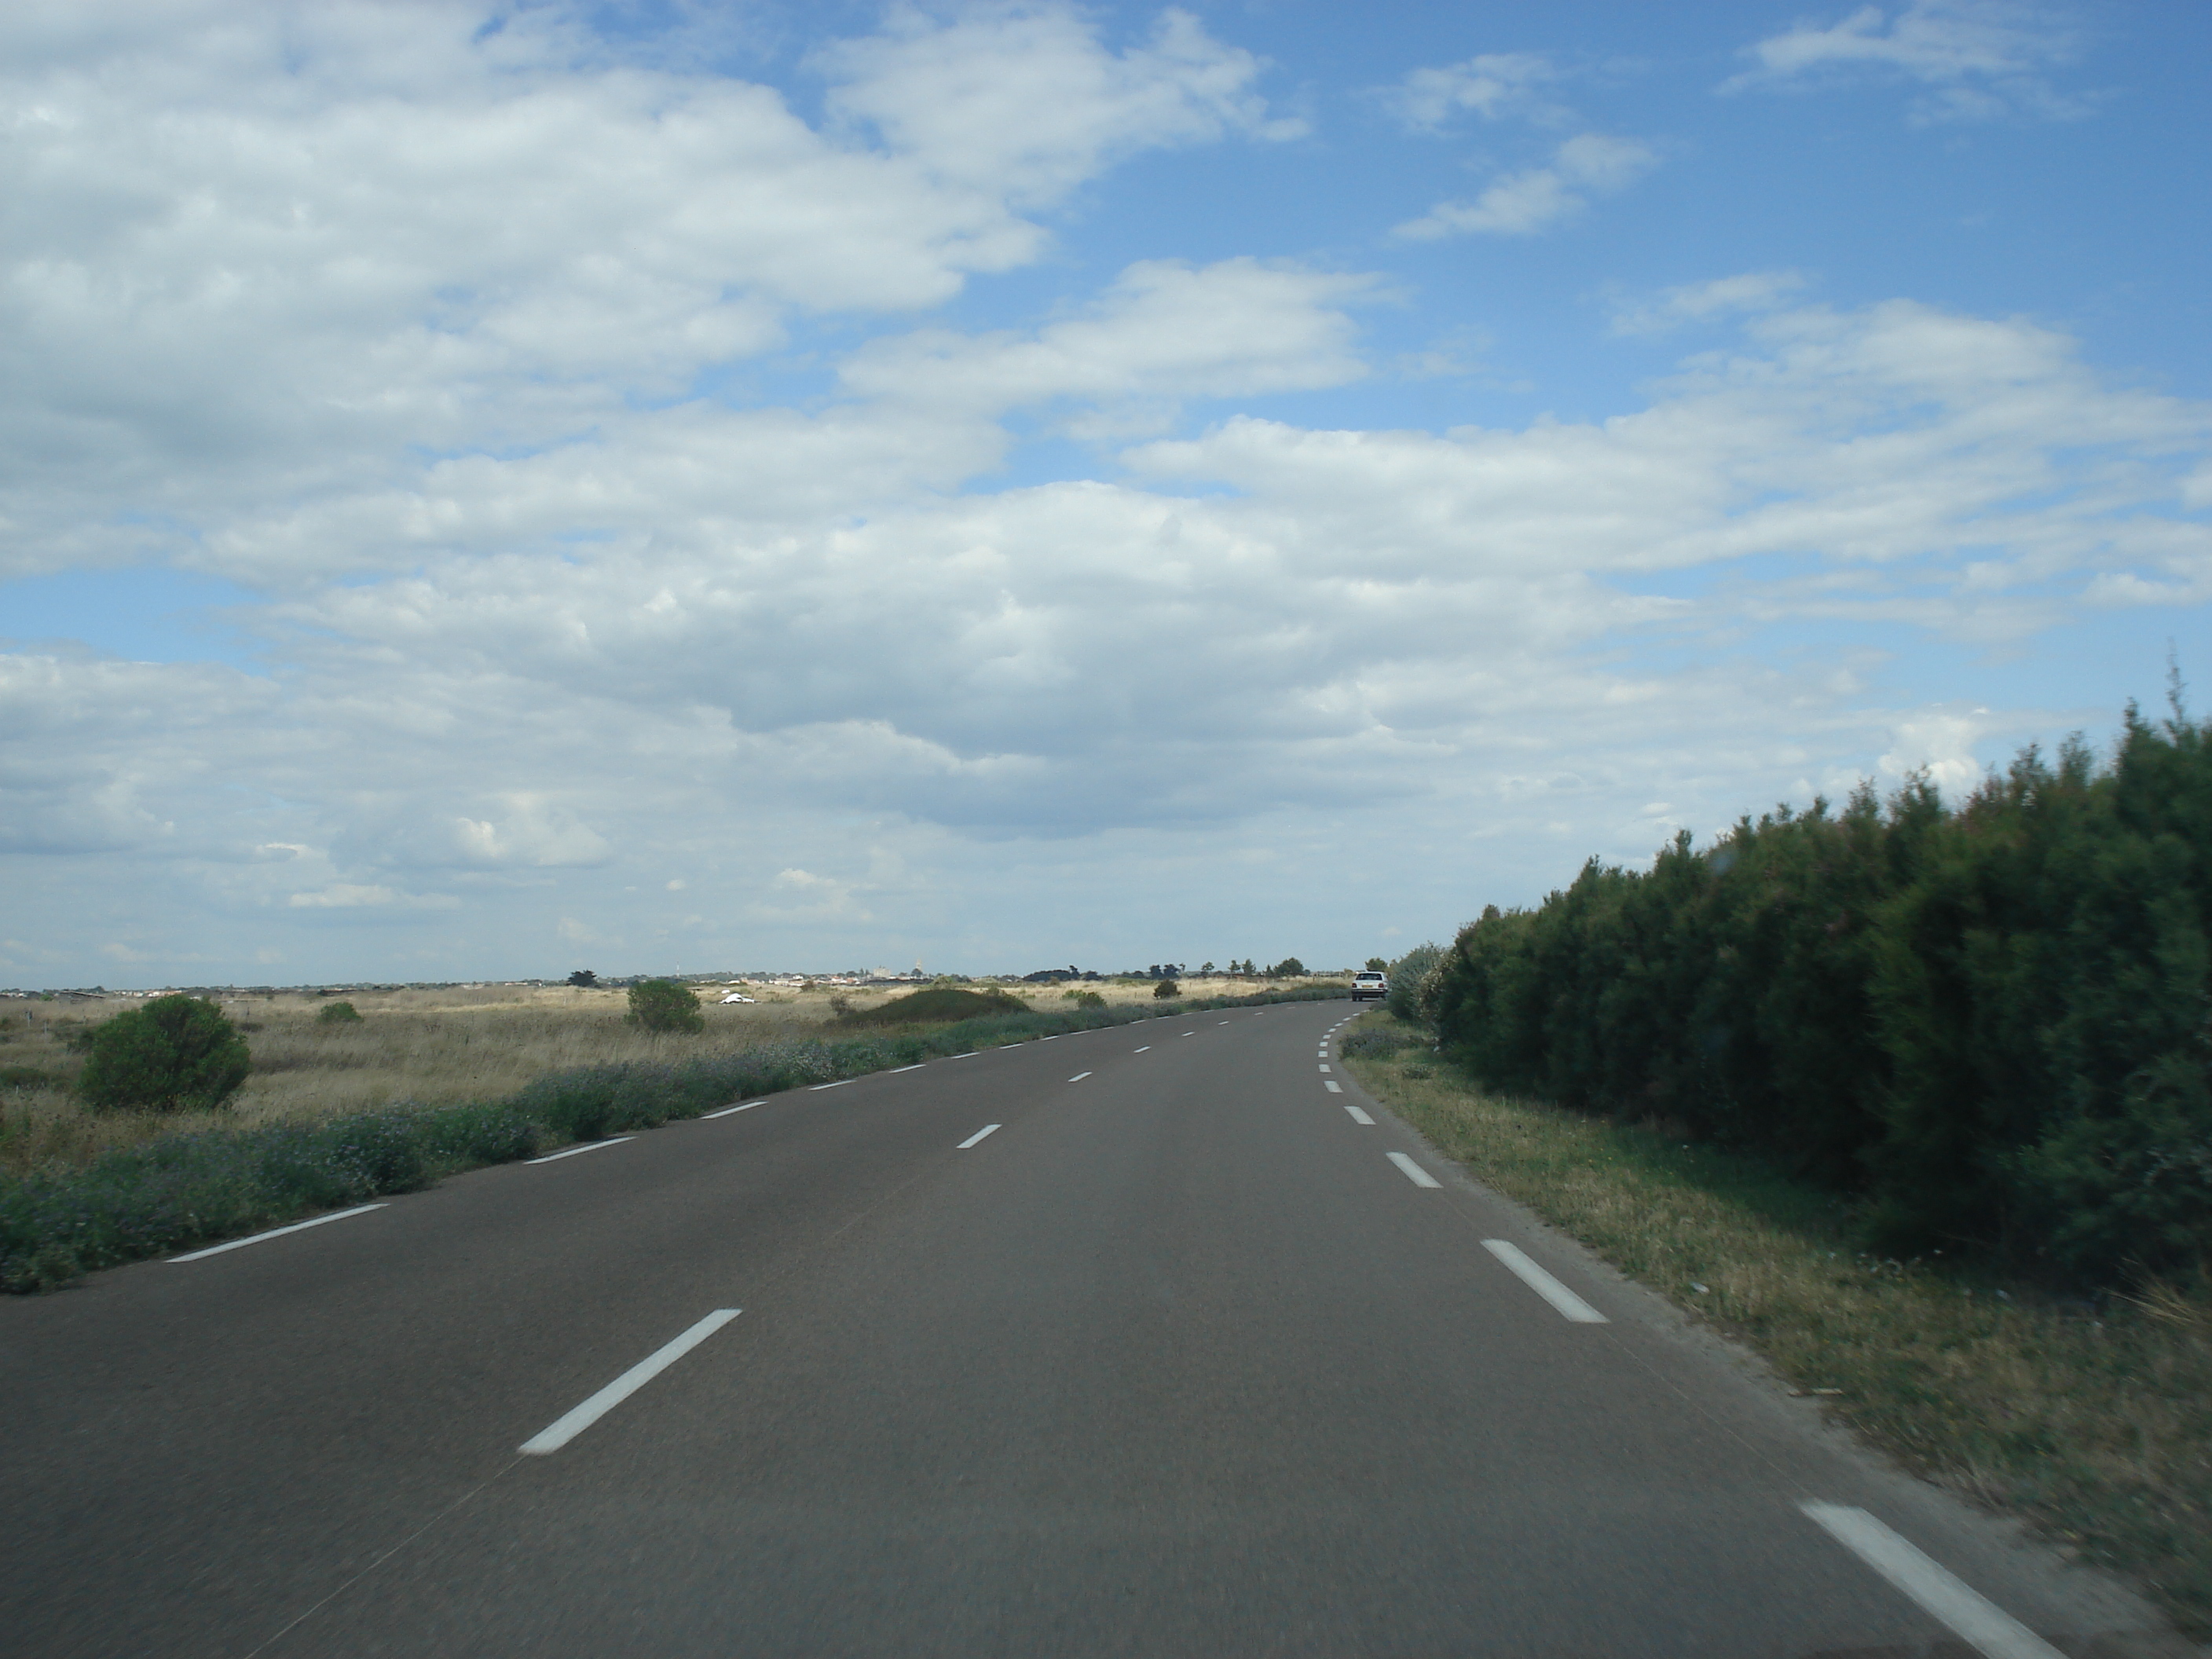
point(1164, 332)
point(1537, 198)
point(1025, 102)
point(1698, 302)
point(1978, 59)
point(1492, 85)
point(269, 256)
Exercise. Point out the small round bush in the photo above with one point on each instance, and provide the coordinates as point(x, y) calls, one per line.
point(1166, 988)
point(177, 1054)
point(337, 1013)
point(664, 1005)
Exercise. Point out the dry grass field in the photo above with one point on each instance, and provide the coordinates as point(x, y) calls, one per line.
point(473, 1043)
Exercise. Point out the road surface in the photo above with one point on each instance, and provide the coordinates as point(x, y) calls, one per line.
point(1162, 1340)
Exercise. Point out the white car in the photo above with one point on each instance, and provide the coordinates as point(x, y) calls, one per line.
point(736, 996)
point(1370, 986)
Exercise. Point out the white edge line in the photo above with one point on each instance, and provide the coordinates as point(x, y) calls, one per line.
point(276, 1232)
point(1358, 1116)
point(727, 1111)
point(566, 1427)
point(1079, 1077)
point(816, 1089)
point(916, 1066)
point(1413, 1171)
point(970, 1054)
point(588, 1146)
point(972, 1138)
point(1569, 1305)
point(1971, 1616)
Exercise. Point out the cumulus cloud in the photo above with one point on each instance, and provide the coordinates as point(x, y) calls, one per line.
point(474, 231)
point(1536, 198)
point(1976, 59)
point(1697, 302)
point(1163, 333)
point(1492, 85)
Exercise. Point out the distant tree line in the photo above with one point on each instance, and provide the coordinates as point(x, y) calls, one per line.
point(1993, 1023)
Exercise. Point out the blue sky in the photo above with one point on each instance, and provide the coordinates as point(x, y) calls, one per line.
point(494, 490)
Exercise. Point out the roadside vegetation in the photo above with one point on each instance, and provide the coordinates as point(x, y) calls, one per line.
point(2089, 1415)
point(83, 1188)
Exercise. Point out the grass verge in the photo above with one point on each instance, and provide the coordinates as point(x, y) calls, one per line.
point(201, 1185)
point(2091, 1420)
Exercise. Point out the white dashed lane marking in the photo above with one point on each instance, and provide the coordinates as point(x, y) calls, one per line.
point(1570, 1305)
point(1414, 1172)
point(1358, 1116)
point(569, 1424)
point(977, 1136)
point(571, 1152)
point(1334, 1087)
point(1975, 1619)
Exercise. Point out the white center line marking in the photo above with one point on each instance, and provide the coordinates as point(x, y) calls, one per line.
point(727, 1111)
point(972, 1138)
point(1190, 1033)
point(1358, 1116)
point(916, 1066)
point(1225, 1022)
point(1334, 1087)
point(588, 1146)
point(277, 1232)
point(1079, 1077)
point(1146, 1049)
point(566, 1427)
point(819, 1087)
point(1972, 1617)
point(1570, 1305)
point(1413, 1171)
point(1324, 1066)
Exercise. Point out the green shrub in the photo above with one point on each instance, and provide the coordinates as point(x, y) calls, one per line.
point(1084, 998)
point(939, 1002)
point(337, 1013)
point(1165, 989)
point(1408, 975)
point(25, 1077)
point(175, 1054)
point(664, 1005)
point(1288, 967)
point(1988, 1021)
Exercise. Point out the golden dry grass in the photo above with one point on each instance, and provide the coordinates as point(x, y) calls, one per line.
point(2091, 1420)
point(435, 1047)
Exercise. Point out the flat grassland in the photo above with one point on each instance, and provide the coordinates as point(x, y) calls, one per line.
point(2090, 1419)
point(431, 1048)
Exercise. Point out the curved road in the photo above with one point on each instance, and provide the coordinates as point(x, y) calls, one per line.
point(1157, 1341)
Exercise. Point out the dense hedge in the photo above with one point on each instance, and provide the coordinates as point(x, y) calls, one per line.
point(187, 1189)
point(1994, 1022)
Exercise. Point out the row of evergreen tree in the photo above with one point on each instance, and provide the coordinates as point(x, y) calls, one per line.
point(1994, 1022)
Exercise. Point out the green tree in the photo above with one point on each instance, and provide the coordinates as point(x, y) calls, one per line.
point(1288, 967)
point(1166, 988)
point(175, 1054)
point(583, 979)
point(664, 1005)
point(1376, 965)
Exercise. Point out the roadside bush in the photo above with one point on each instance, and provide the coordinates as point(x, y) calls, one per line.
point(1990, 1022)
point(1408, 975)
point(1084, 998)
point(1372, 1044)
point(664, 1005)
point(337, 1013)
point(1165, 989)
point(174, 1054)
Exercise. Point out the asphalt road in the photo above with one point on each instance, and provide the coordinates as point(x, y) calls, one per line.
point(1175, 1360)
